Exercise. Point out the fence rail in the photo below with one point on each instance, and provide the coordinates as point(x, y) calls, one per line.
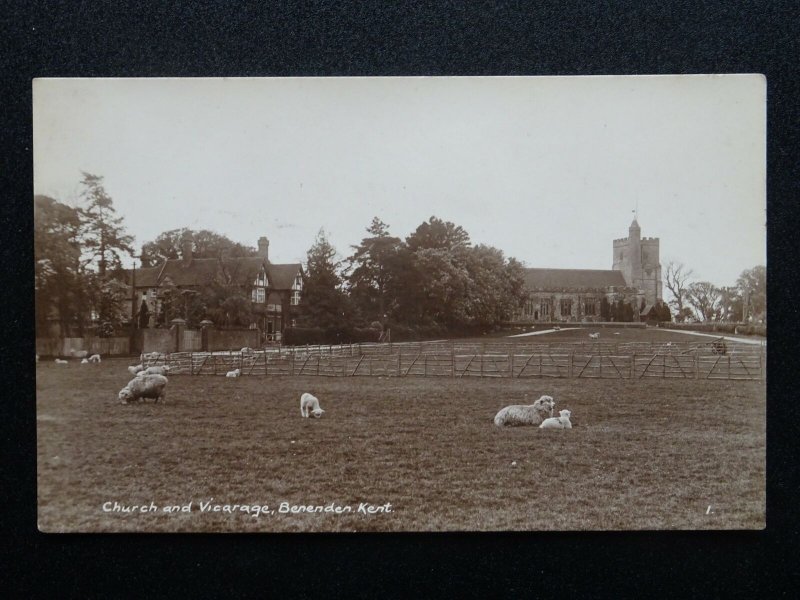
point(452, 359)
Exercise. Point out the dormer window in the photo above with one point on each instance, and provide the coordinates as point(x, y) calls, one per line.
point(298, 283)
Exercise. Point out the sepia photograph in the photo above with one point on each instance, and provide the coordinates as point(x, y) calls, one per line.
point(390, 304)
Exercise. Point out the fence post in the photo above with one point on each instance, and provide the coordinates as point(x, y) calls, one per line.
point(569, 364)
point(633, 365)
point(697, 366)
point(511, 365)
point(453, 357)
point(424, 365)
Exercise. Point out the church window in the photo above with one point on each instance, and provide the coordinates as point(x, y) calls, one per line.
point(544, 309)
point(566, 307)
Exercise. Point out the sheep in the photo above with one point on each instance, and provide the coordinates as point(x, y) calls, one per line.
point(78, 353)
point(94, 358)
point(84, 361)
point(164, 370)
point(616, 333)
point(307, 401)
point(594, 336)
point(61, 362)
point(246, 350)
point(522, 414)
point(234, 373)
point(561, 422)
point(134, 369)
point(149, 386)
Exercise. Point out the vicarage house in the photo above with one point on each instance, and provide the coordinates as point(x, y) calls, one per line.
point(275, 290)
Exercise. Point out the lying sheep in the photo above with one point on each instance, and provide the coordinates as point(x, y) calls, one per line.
point(561, 422)
point(234, 373)
point(307, 401)
point(134, 369)
point(94, 358)
point(246, 350)
point(149, 386)
point(163, 370)
point(84, 361)
point(523, 414)
point(61, 362)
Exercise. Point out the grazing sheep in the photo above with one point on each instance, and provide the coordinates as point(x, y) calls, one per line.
point(561, 422)
point(61, 362)
point(522, 414)
point(594, 336)
point(134, 369)
point(78, 353)
point(84, 361)
point(234, 373)
point(153, 371)
point(307, 401)
point(94, 358)
point(149, 386)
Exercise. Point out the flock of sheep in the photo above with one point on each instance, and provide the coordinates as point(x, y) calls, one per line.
point(151, 382)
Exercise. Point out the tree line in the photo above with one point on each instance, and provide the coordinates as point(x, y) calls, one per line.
point(433, 281)
point(746, 301)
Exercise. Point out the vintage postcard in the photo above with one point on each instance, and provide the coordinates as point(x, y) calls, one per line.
point(400, 303)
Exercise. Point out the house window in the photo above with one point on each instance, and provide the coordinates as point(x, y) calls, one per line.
point(298, 282)
point(589, 308)
point(566, 307)
point(259, 293)
point(274, 307)
point(295, 298)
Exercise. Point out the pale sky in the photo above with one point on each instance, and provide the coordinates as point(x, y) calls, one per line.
point(548, 169)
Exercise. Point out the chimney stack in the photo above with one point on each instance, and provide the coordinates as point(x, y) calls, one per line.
point(263, 247)
point(186, 248)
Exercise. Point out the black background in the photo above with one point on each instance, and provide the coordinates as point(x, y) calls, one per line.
point(144, 39)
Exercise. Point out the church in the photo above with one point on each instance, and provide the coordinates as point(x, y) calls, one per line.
point(626, 292)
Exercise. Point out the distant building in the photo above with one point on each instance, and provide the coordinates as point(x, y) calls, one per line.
point(577, 295)
point(274, 289)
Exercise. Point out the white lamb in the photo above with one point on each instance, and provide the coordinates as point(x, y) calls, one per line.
point(149, 386)
point(84, 361)
point(94, 358)
point(163, 370)
point(234, 373)
point(309, 402)
point(61, 362)
point(134, 369)
point(561, 422)
point(525, 414)
point(594, 336)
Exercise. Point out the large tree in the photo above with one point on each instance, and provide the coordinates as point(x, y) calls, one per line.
point(325, 304)
point(58, 276)
point(104, 237)
point(677, 279)
point(704, 298)
point(205, 244)
point(371, 268)
point(752, 285)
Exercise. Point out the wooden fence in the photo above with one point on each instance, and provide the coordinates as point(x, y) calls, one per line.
point(451, 359)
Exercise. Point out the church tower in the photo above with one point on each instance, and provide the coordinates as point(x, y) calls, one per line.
point(638, 259)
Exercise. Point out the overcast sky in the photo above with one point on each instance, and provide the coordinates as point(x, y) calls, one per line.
point(548, 169)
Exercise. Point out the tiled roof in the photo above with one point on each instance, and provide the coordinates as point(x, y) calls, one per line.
point(202, 271)
point(564, 279)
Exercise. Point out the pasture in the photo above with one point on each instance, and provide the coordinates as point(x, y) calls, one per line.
point(643, 454)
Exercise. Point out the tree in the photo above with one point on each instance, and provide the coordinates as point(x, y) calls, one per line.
point(371, 270)
point(704, 298)
point(104, 237)
point(205, 244)
point(144, 315)
point(676, 279)
point(58, 277)
point(325, 304)
point(752, 285)
point(110, 303)
point(438, 234)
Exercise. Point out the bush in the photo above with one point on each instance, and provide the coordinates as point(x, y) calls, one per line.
point(300, 336)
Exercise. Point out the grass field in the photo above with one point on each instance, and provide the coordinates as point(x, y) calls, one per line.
point(644, 454)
